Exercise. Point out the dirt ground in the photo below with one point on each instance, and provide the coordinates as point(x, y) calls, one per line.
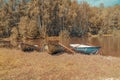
point(17, 65)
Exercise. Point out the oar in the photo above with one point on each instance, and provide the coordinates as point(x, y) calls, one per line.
point(67, 48)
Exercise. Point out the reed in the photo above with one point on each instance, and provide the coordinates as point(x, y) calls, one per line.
point(64, 37)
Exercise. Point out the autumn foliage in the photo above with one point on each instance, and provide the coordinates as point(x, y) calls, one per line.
point(35, 18)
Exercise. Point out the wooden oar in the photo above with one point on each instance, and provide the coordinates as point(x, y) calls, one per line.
point(67, 48)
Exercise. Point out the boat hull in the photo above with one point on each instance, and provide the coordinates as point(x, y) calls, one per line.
point(85, 48)
point(88, 50)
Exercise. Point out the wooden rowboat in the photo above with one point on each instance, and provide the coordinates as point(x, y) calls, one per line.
point(29, 48)
point(86, 49)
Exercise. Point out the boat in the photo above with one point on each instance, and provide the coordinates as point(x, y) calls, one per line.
point(86, 49)
point(29, 48)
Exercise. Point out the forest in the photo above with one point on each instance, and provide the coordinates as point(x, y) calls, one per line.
point(36, 18)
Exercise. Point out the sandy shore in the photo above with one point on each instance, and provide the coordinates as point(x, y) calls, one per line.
point(17, 65)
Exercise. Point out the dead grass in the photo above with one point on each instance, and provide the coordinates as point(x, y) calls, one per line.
point(16, 65)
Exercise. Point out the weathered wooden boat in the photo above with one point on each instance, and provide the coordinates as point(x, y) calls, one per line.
point(86, 49)
point(29, 48)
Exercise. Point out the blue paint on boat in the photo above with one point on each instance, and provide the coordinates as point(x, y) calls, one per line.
point(88, 50)
point(85, 48)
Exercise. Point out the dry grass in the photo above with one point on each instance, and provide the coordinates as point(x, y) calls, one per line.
point(16, 65)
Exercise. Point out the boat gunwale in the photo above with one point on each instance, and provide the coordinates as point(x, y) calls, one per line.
point(82, 46)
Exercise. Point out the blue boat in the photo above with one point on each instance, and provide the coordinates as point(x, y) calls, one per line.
point(85, 48)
